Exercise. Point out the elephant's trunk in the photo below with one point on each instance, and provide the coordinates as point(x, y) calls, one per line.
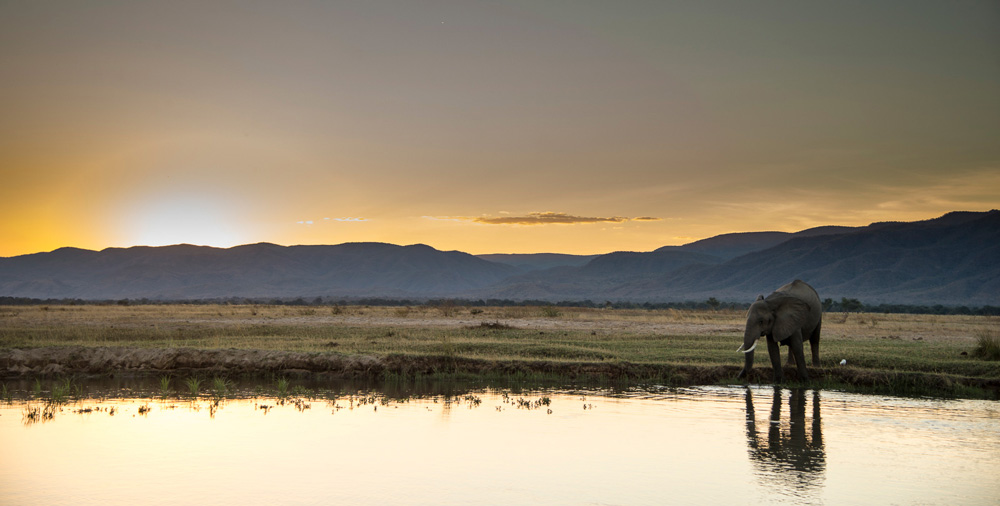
point(749, 344)
point(750, 337)
point(748, 359)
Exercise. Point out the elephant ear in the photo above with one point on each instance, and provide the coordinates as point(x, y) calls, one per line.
point(759, 298)
point(790, 313)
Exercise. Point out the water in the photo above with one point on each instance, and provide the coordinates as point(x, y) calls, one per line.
point(688, 446)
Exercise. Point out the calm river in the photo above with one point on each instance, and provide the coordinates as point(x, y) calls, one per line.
point(688, 446)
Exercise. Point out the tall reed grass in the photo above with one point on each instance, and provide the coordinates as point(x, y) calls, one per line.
point(987, 345)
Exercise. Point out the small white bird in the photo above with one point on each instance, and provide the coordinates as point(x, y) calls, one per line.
point(843, 362)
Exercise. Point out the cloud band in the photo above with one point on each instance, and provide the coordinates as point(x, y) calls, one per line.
point(546, 218)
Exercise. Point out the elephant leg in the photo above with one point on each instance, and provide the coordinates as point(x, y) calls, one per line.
point(791, 357)
point(797, 347)
point(775, 354)
point(814, 345)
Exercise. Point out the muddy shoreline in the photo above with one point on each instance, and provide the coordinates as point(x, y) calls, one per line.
point(80, 361)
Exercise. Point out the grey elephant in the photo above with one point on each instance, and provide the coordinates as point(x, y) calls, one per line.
point(788, 317)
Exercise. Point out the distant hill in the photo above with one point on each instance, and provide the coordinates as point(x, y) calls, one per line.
point(256, 270)
point(728, 246)
point(948, 260)
point(595, 279)
point(538, 261)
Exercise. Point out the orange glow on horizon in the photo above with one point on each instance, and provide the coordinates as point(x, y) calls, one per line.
point(490, 128)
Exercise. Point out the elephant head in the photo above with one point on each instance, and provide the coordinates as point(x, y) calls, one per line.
point(778, 316)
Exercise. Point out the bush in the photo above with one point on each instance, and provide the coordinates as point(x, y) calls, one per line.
point(550, 312)
point(987, 345)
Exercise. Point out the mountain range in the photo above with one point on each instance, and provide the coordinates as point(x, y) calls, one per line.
point(952, 260)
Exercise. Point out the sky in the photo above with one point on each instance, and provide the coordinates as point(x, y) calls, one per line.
point(571, 126)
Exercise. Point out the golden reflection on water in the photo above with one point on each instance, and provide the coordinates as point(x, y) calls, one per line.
point(691, 446)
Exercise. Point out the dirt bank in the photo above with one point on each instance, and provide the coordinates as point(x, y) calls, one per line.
point(79, 360)
point(104, 361)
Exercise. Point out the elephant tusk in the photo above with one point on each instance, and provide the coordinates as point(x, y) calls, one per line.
point(740, 348)
point(751, 348)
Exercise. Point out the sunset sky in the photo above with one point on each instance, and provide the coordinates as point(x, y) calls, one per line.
point(489, 126)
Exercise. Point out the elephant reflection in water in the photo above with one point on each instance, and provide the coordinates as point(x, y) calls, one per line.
point(790, 456)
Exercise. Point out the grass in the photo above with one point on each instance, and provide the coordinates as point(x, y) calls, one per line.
point(552, 340)
point(987, 345)
point(550, 312)
point(221, 387)
point(193, 385)
point(282, 385)
point(60, 391)
point(164, 386)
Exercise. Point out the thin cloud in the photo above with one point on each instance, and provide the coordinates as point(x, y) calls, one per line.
point(545, 219)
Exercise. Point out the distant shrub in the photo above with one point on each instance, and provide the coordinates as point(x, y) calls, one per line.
point(987, 345)
point(550, 311)
point(446, 307)
point(490, 326)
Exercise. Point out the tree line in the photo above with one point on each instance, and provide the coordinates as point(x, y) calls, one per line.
point(844, 305)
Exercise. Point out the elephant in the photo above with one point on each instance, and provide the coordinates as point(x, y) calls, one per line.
point(788, 317)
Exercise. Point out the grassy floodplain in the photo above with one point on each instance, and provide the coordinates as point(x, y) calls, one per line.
point(889, 353)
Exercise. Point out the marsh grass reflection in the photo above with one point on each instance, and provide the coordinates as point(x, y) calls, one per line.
point(791, 456)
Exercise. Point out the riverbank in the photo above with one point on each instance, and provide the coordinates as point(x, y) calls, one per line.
point(81, 362)
point(892, 354)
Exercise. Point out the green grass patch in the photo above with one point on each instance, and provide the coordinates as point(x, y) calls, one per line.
point(193, 385)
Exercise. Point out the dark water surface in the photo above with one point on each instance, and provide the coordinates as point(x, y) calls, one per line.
point(654, 446)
